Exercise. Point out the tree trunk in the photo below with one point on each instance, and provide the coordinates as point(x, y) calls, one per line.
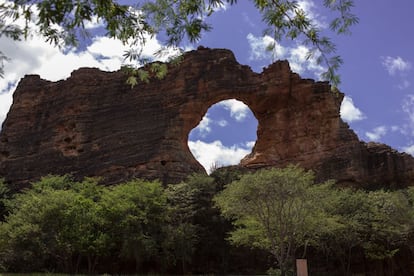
point(348, 268)
point(183, 267)
point(89, 264)
point(78, 261)
point(282, 271)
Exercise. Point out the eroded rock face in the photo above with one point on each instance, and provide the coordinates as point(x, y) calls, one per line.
point(93, 124)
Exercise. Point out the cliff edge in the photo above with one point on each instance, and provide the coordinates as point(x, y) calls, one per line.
point(94, 124)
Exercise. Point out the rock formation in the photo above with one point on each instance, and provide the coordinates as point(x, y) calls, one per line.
point(94, 124)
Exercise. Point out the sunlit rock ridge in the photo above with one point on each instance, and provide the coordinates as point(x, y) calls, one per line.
point(94, 124)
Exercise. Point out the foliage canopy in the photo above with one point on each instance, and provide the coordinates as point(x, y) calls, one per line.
point(140, 226)
point(278, 210)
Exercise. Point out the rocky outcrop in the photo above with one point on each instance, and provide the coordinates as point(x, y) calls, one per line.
point(94, 124)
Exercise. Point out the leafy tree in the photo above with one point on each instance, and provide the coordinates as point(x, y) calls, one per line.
point(63, 23)
point(181, 243)
point(50, 226)
point(197, 232)
point(198, 226)
point(5, 195)
point(60, 224)
point(348, 205)
point(387, 223)
point(375, 223)
point(278, 210)
point(225, 175)
point(134, 214)
point(409, 193)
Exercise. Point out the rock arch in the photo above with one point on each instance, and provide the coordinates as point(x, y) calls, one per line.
point(93, 124)
point(224, 136)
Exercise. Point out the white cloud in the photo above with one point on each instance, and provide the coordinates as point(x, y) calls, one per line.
point(377, 133)
point(404, 84)
point(107, 48)
point(349, 112)
point(204, 127)
point(94, 23)
point(223, 123)
point(5, 102)
point(395, 65)
point(208, 154)
point(400, 129)
point(406, 128)
point(300, 61)
point(308, 6)
point(238, 110)
point(297, 56)
point(408, 108)
point(250, 144)
point(259, 48)
point(409, 150)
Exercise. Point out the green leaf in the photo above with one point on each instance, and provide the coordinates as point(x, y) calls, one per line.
point(143, 75)
point(132, 81)
point(159, 69)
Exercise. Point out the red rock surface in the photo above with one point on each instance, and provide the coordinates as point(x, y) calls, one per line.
point(94, 124)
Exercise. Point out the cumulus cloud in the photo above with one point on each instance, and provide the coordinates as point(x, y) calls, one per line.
point(298, 57)
point(259, 48)
point(204, 127)
point(209, 154)
point(395, 65)
point(300, 61)
point(94, 23)
point(406, 128)
point(238, 110)
point(409, 150)
point(408, 109)
point(377, 133)
point(250, 144)
point(5, 102)
point(309, 7)
point(349, 112)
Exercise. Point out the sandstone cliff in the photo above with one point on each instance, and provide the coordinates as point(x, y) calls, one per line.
point(93, 124)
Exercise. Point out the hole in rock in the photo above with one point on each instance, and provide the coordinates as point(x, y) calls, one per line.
point(225, 135)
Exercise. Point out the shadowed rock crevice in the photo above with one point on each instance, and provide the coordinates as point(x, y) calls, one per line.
point(94, 124)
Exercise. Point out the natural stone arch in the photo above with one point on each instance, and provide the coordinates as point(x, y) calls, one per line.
point(120, 133)
point(276, 98)
point(243, 124)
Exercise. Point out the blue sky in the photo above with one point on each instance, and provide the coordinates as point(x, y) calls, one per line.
point(377, 74)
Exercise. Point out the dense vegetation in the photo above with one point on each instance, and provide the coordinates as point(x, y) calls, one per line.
point(224, 223)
